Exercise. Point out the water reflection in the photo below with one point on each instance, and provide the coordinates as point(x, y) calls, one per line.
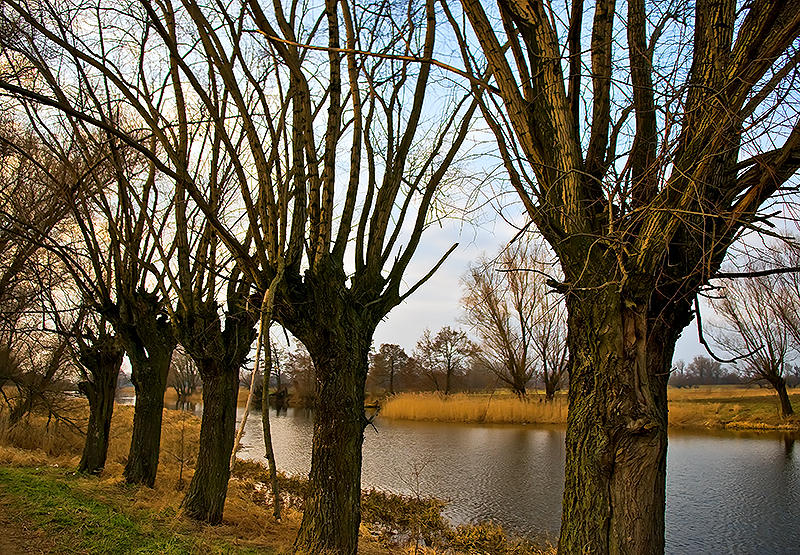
point(732, 493)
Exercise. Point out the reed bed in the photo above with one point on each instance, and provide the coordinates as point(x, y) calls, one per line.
point(705, 407)
point(499, 408)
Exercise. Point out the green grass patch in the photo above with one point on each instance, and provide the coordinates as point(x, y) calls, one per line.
point(50, 500)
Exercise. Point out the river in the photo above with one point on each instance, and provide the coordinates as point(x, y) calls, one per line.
point(726, 492)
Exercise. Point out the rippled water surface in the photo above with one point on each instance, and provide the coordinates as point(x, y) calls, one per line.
point(726, 493)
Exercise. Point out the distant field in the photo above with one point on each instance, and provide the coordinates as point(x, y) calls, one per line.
point(717, 407)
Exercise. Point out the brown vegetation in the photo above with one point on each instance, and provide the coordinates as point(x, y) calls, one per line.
point(248, 521)
point(704, 407)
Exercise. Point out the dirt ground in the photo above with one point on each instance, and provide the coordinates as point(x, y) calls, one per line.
point(18, 538)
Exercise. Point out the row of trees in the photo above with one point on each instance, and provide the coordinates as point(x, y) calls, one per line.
point(205, 144)
point(224, 163)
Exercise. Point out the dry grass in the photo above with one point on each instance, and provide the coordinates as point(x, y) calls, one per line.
point(248, 521)
point(500, 408)
point(730, 407)
point(716, 407)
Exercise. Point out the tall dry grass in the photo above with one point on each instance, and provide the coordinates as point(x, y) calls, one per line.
point(705, 407)
point(248, 520)
point(500, 408)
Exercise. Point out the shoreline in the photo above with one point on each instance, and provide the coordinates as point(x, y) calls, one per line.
point(702, 409)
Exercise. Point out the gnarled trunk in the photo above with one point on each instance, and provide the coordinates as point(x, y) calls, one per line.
point(614, 496)
point(332, 512)
point(783, 397)
point(103, 363)
point(150, 382)
point(219, 354)
point(205, 499)
point(147, 337)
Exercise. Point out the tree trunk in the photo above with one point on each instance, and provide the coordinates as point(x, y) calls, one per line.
point(616, 442)
point(332, 512)
point(103, 364)
point(150, 382)
point(205, 499)
point(783, 397)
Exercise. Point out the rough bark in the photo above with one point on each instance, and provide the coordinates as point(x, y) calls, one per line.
point(205, 499)
point(617, 423)
point(333, 510)
point(102, 362)
point(147, 337)
point(783, 397)
point(150, 383)
point(337, 331)
point(219, 354)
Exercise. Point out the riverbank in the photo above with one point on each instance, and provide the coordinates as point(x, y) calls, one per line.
point(103, 515)
point(699, 408)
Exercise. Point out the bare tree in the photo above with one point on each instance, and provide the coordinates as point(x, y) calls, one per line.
point(387, 364)
point(300, 373)
point(522, 327)
point(444, 356)
point(752, 330)
point(183, 376)
point(99, 357)
point(641, 148)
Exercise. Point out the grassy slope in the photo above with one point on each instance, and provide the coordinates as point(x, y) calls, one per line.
point(41, 499)
point(707, 407)
point(54, 502)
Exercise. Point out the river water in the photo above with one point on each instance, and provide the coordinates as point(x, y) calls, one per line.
point(726, 493)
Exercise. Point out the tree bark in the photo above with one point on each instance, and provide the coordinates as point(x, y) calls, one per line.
point(150, 382)
point(205, 499)
point(783, 397)
point(103, 364)
point(332, 512)
point(219, 352)
point(616, 442)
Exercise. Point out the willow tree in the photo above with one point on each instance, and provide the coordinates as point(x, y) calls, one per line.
point(337, 157)
point(345, 240)
point(750, 327)
point(642, 145)
point(109, 254)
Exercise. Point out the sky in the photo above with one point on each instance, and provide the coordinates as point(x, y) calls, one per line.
point(438, 302)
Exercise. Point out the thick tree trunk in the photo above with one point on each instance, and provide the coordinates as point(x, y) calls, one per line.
point(150, 383)
point(783, 397)
point(614, 495)
point(205, 499)
point(103, 364)
point(332, 512)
